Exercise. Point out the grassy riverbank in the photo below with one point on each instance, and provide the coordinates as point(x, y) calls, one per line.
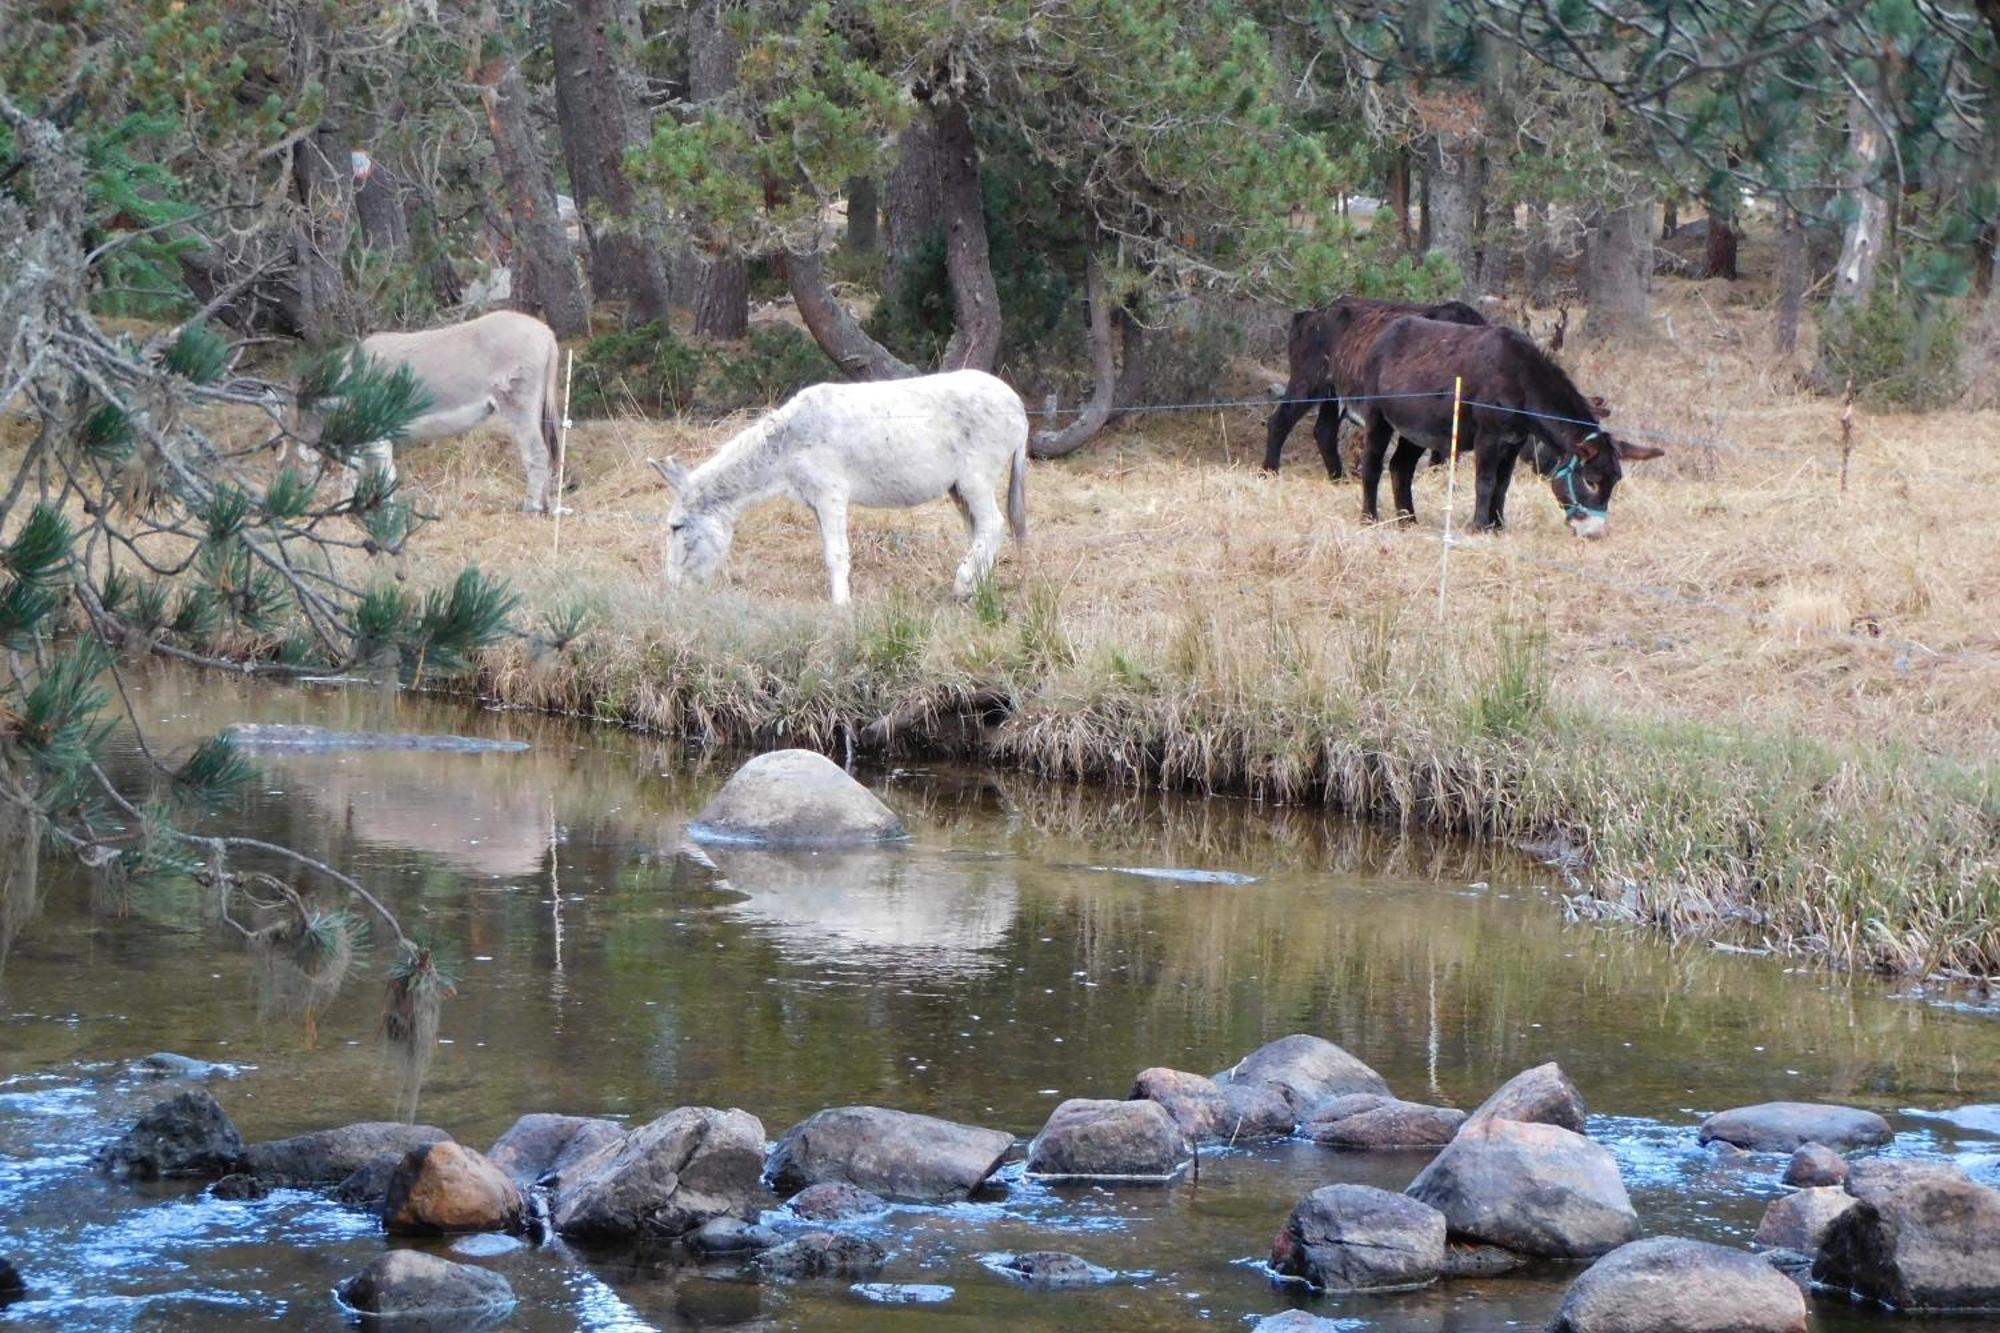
point(1763, 706)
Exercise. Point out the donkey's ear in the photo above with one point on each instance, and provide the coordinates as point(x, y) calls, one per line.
point(671, 472)
point(1633, 453)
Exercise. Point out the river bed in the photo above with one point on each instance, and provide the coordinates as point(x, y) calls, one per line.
point(1006, 959)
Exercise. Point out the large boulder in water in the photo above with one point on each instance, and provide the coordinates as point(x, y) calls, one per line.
point(1539, 1096)
point(188, 1134)
point(1363, 1121)
point(1799, 1221)
point(795, 798)
point(1206, 1110)
point(441, 1187)
point(1789, 1126)
point(329, 1156)
point(537, 1147)
point(664, 1179)
point(1358, 1238)
point(899, 1155)
point(1686, 1286)
point(1919, 1237)
point(1084, 1137)
point(421, 1291)
point(1306, 1070)
point(1538, 1190)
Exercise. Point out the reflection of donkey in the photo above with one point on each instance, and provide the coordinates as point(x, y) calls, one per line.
point(889, 444)
point(1513, 394)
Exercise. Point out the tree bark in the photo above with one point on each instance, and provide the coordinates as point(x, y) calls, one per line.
point(1104, 379)
point(1539, 256)
point(1986, 169)
point(1719, 257)
point(1399, 197)
point(590, 39)
point(378, 207)
point(1618, 270)
point(1791, 277)
point(1453, 190)
point(1866, 211)
point(975, 301)
point(722, 310)
point(863, 213)
point(1131, 361)
point(834, 327)
point(914, 215)
point(545, 277)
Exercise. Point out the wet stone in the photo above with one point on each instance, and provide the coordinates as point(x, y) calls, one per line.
point(12, 1284)
point(792, 798)
point(1688, 1286)
point(1799, 1221)
point(1107, 1139)
point(1788, 1126)
point(1815, 1164)
point(1365, 1122)
point(902, 1293)
point(442, 1187)
point(730, 1235)
point(1306, 1070)
point(366, 1187)
point(188, 1134)
point(239, 1187)
point(1462, 1260)
point(824, 1254)
point(1299, 1321)
point(166, 1064)
point(1047, 1270)
point(1535, 1189)
point(539, 1148)
point(1539, 1096)
point(411, 1285)
point(330, 1156)
point(835, 1201)
point(486, 1245)
point(1358, 1238)
point(896, 1154)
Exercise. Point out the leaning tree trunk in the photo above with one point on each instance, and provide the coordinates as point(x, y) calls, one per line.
point(863, 213)
point(1618, 270)
point(1104, 378)
point(914, 212)
point(545, 276)
point(722, 310)
point(834, 327)
point(1791, 277)
point(975, 301)
point(594, 117)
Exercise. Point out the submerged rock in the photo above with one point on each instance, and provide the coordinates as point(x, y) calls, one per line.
point(12, 1285)
point(1789, 1126)
point(446, 1186)
point(1919, 1237)
point(486, 1245)
point(1539, 1096)
point(239, 1188)
point(165, 1064)
point(368, 1184)
point(1799, 1220)
point(730, 1235)
point(285, 736)
point(330, 1156)
point(666, 1178)
point(1358, 1238)
point(1815, 1164)
point(1306, 1070)
point(896, 1154)
point(410, 1286)
point(795, 798)
point(1086, 1137)
point(903, 1293)
point(835, 1201)
point(824, 1254)
point(1364, 1121)
point(1298, 1321)
point(1473, 1260)
point(1687, 1286)
point(188, 1134)
point(537, 1147)
point(1209, 1111)
point(1539, 1190)
point(1048, 1270)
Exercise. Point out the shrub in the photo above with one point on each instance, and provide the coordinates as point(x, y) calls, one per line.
point(1899, 347)
point(773, 365)
point(650, 366)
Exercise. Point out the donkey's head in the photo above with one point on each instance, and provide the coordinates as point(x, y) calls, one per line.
point(1587, 473)
point(698, 535)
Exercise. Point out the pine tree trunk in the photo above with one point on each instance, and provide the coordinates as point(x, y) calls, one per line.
point(1132, 360)
point(1539, 256)
point(321, 179)
point(1985, 180)
point(1399, 197)
point(1670, 217)
point(378, 207)
point(427, 246)
point(545, 277)
point(1618, 270)
point(722, 310)
point(863, 213)
point(914, 213)
point(975, 301)
point(1866, 210)
point(1104, 378)
point(590, 39)
point(1719, 257)
point(1453, 212)
point(1791, 278)
point(834, 327)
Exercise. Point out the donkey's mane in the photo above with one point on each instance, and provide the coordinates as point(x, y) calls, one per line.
point(1550, 380)
point(737, 468)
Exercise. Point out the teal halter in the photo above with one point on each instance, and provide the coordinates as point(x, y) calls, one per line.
point(1566, 474)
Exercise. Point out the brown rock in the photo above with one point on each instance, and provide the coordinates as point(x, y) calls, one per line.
point(1379, 1123)
point(447, 1186)
point(1539, 1096)
point(1816, 1164)
point(1686, 1286)
point(1799, 1221)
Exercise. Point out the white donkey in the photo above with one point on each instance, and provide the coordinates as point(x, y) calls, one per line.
point(498, 369)
point(887, 444)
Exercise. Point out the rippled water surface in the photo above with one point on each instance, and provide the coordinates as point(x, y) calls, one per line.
point(1005, 960)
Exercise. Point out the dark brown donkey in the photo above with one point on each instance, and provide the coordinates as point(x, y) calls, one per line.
point(1513, 394)
point(1327, 351)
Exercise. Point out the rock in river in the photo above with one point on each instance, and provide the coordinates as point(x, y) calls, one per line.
point(1306, 1070)
point(824, 1254)
point(896, 1154)
point(446, 1186)
point(1535, 1189)
point(666, 1178)
point(1799, 1220)
point(420, 1290)
point(1539, 1096)
point(1816, 1164)
point(1359, 1238)
point(1686, 1286)
point(321, 740)
point(795, 798)
point(1206, 1110)
point(1361, 1120)
point(1920, 1236)
point(330, 1156)
point(538, 1147)
point(1047, 1270)
point(1108, 1139)
point(1299, 1321)
point(835, 1201)
point(1788, 1126)
point(188, 1134)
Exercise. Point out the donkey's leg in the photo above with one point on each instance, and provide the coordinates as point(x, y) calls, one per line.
point(1487, 455)
point(988, 529)
point(1372, 454)
point(1326, 434)
point(1402, 468)
point(1283, 417)
point(830, 509)
point(1510, 457)
point(534, 452)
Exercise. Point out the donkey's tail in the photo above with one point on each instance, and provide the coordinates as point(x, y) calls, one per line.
point(551, 437)
point(1017, 492)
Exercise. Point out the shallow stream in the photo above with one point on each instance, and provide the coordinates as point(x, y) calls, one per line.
point(1000, 963)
